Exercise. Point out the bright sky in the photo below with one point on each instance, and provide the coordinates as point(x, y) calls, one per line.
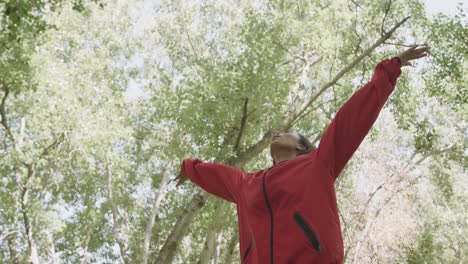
point(448, 7)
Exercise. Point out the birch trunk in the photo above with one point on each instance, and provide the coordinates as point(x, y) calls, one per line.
point(85, 257)
point(32, 247)
point(209, 247)
point(231, 248)
point(210, 242)
point(14, 254)
point(167, 252)
point(115, 216)
point(154, 211)
point(53, 256)
point(219, 243)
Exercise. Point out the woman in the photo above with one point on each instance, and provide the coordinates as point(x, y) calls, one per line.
point(288, 213)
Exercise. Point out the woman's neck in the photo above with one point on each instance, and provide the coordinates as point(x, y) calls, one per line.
point(281, 157)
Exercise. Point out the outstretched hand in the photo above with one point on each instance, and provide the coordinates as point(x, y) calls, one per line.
point(413, 53)
point(180, 179)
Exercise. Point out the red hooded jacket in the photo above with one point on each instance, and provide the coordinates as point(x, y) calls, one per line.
point(288, 213)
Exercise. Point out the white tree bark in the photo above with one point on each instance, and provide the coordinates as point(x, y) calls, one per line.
point(167, 252)
point(32, 247)
point(231, 248)
point(14, 255)
point(52, 255)
point(210, 242)
point(85, 257)
point(219, 243)
point(154, 211)
point(372, 216)
point(209, 246)
point(115, 215)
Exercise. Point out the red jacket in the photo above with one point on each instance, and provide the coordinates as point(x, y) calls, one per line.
point(288, 213)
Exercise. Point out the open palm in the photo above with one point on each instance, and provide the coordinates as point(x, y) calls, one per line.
point(412, 53)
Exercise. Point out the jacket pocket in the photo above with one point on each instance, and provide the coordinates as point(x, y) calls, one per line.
point(247, 251)
point(308, 231)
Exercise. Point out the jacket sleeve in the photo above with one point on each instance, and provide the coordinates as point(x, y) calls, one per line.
point(218, 179)
point(355, 118)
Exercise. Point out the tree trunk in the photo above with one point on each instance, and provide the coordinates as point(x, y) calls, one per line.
point(84, 258)
point(154, 211)
point(219, 243)
point(53, 256)
point(115, 216)
point(14, 254)
point(32, 247)
point(209, 246)
point(167, 252)
point(216, 227)
point(231, 248)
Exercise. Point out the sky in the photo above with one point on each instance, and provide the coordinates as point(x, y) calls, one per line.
point(448, 7)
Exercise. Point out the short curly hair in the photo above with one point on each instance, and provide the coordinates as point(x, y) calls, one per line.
point(302, 140)
point(306, 143)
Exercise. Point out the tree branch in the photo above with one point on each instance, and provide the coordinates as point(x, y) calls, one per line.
point(289, 119)
point(114, 210)
point(397, 44)
point(242, 126)
point(387, 9)
point(154, 210)
point(32, 247)
point(300, 84)
point(248, 154)
point(308, 112)
point(84, 257)
point(387, 179)
point(251, 152)
point(53, 145)
point(3, 115)
point(289, 52)
point(168, 250)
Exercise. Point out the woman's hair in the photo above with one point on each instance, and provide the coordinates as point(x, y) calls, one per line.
point(303, 141)
point(306, 143)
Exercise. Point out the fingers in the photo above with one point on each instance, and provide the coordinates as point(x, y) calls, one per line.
point(413, 49)
point(407, 64)
point(414, 52)
point(419, 56)
point(423, 49)
point(419, 53)
point(181, 179)
point(179, 182)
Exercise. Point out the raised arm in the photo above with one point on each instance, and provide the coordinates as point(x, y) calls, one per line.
point(218, 179)
point(353, 121)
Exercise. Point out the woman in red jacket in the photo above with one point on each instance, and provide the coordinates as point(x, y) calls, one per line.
point(288, 213)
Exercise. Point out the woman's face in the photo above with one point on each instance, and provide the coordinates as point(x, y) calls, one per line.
point(285, 140)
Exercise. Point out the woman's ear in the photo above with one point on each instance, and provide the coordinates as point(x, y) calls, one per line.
point(300, 148)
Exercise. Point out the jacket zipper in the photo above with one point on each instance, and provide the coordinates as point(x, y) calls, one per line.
point(308, 231)
point(271, 216)
point(247, 251)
